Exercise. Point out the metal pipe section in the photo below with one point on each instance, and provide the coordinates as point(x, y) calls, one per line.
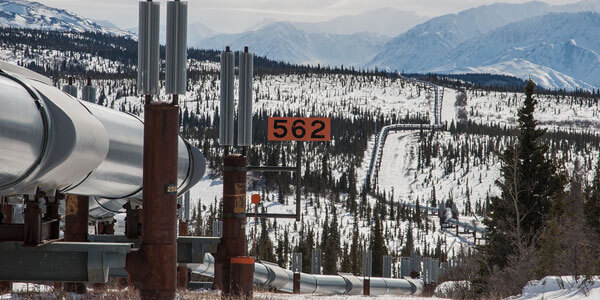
point(148, 48)
point(176, 48)
point(50, 141)
point(226, 118)
point(246, 69)
point(272, 276)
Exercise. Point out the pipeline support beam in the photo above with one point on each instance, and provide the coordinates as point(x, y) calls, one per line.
point(233, 242)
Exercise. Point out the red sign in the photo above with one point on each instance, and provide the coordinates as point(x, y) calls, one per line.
point(255, 198)
point(300, 129)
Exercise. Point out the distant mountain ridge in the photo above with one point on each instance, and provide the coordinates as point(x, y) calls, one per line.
point(385, 21)
point(502, 39)
point(557, 49)
point(34, 15)
point(284, 42)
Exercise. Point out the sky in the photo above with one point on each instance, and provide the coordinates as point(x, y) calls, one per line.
point(229, 16)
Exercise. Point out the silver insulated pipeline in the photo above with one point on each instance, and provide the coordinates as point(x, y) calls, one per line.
point(272, 276)
point(52, 142)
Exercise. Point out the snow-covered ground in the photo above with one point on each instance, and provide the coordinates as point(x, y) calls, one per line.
point(565, 287)
point(270, 296)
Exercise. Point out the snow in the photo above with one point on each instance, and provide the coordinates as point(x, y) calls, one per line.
point(565, 287)
point(34, 15)
point(271, 296)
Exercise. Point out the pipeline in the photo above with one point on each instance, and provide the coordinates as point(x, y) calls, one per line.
point(272, 276)
point(53, 142)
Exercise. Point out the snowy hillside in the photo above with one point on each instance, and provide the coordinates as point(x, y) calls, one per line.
point(282, 41)
point(34, 15)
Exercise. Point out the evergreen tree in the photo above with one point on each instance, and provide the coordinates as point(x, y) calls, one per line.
point(529, 184)
point(409, 246)
point(355, 249)
point(331, 247)
point(592, 203)
point(377, 245)
point(264, 245)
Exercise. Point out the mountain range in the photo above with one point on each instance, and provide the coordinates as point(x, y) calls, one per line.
point(34, 15)
point(385, 21)
point(555, 45)
point(283, 41)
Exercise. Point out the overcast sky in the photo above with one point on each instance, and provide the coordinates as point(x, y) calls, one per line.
point(237, 15)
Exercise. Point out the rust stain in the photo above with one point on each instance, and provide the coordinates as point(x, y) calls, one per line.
point(71, 207)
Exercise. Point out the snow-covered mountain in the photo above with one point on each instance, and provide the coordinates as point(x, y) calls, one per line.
point(197, 31)
point(523, 40)
point(34, 15)
point(421, 48)
point(387, 21)
point(284, 42)
point(555, 49)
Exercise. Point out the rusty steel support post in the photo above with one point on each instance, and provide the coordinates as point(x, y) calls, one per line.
point(7, 213)
point(182, 271)
point(33, 221)
point(107, 227)
point(154, 266)
point(242, 268)
point(233, 242)
point(133, 221)
point(296, 283)
point(76, 230)
point(7, 218)
point(76, 219)
point(53, 216)
point(367, 287)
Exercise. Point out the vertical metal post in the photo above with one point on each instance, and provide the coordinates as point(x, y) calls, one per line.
point(387, 266)
point(76, 230)
point(132, 221)
point(367, 271)
point(159, 231)
point(186, 202)
point(226, 117)
point(33, 221)
point(298, 178)
point(246, 66)
point(52, 214)
point(7, 218)
point(233, 242)
point(404, 267)
point(217, 228)
point(76, 219)
point(242, 268)
point(182, 271)
point(296, 269)
point(316, 261)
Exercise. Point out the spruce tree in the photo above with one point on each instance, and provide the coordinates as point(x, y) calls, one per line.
point(264, 245)
point(592, 203)
point(377, 245)
point(355, 249)
point(529, 184)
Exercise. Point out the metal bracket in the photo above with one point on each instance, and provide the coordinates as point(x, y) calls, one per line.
point(190, 249)
point(298, 170)
point(61, 261)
